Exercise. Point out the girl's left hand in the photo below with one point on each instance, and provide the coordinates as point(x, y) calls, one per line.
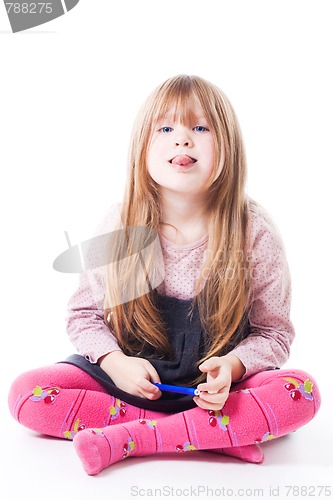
point(215, 392)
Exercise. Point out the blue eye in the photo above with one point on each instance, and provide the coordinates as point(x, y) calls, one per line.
point(166, 130)
point(200, 128)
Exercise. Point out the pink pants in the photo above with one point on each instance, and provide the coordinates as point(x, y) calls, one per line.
point(60, 400)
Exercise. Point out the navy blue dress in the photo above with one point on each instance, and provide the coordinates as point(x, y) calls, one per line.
point(189, 342)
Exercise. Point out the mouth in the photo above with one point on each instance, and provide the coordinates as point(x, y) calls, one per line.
point(182, 160)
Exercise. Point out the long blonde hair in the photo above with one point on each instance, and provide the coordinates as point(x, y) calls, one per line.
point(223, 300)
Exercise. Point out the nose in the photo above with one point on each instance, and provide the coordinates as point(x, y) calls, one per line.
point(183, 138)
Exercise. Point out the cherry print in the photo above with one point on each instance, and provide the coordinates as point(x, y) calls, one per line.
point(212, 421)
point(295, 395)
point(297, 391)
point(125, 451)
point(54, 391)
point(49, 399)
point(290, 386)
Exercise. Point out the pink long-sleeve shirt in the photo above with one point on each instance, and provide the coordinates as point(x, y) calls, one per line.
point(271, 330)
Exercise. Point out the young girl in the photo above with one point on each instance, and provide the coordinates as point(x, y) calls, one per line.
point(212, 314)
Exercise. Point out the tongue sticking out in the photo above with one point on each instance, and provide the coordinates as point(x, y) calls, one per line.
point(182, 160)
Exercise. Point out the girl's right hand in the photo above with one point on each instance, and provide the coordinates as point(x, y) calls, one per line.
point(131, 374)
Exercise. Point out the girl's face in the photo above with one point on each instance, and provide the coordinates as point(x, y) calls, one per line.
point(181, 156)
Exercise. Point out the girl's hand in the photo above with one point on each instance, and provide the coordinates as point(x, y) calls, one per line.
point(131, 374)
point(221, 372)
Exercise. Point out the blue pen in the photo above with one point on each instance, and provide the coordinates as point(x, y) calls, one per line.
point(178, 388)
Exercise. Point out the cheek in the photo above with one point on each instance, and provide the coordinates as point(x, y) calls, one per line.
point(152, 164)
point(150, 158)
point(153, 152)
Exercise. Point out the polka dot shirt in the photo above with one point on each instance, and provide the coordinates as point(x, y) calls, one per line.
point(271, 330)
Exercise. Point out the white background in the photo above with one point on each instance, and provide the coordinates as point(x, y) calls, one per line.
point(69, 91)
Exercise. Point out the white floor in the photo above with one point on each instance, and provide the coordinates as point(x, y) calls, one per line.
point(40, 467)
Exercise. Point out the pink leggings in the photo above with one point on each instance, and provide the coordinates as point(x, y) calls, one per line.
point(61, 400)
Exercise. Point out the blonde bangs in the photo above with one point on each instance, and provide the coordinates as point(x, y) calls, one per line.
point(178, 97)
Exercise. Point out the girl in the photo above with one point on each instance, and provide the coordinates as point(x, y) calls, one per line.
point(212, 314)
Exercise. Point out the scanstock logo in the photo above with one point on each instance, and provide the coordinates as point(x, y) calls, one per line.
point(24, 15)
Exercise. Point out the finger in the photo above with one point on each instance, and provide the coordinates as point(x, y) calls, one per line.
point(214, 398)
point(208, 406)
point(150, 395)
point(147, 386)
point(210, 364)
point(148, 389)
point(208, 387)
point(154, 376)
point(213, 386)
